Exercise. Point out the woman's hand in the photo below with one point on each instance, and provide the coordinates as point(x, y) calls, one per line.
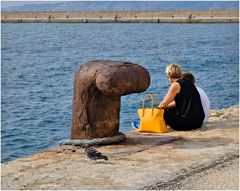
point(170, 105)
point(162, 105)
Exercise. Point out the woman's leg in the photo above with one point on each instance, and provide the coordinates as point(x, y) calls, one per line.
point(177, 123)
point(171, 118)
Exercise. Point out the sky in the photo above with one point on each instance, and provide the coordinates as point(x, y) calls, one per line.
point(8, 3)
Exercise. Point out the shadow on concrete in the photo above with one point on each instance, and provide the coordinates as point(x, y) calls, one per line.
point(138, 142)
point(204, 142)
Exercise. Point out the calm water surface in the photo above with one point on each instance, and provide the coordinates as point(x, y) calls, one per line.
point(39, 61)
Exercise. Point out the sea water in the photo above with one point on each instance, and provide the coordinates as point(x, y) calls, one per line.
point(38, 62)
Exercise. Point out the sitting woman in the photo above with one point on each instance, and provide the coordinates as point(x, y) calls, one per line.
point(182, 104)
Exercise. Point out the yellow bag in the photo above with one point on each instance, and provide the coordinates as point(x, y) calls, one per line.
point(151, 119)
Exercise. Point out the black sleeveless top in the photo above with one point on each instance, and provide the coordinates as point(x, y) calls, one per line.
point(188, 102)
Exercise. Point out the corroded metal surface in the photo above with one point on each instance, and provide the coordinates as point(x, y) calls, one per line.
point(98, 87)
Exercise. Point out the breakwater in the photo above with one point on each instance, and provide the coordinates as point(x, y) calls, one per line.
point(189, 16)
point(150, 161)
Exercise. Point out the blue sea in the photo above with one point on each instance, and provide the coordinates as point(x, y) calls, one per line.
point(38, 62)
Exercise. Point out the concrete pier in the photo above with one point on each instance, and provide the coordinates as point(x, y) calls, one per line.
point(186, 16)
point(144, 161)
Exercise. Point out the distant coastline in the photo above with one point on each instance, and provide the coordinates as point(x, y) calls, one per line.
point(177, 16)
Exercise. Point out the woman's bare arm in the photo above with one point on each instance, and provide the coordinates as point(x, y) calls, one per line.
point(171, 105)
point(172, 92)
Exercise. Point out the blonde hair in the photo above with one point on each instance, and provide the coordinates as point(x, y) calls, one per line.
point(174, 71)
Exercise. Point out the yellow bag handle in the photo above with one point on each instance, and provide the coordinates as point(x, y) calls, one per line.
point(152, 96)
point(144, 99)
point(155, 95)
point(143, 102)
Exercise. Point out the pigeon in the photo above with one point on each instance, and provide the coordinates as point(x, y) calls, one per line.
point(93, 154)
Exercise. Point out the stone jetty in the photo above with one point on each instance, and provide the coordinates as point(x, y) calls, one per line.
point(143, 161)
point(186, 16)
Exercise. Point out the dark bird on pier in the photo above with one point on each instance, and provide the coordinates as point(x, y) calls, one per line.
point(93, 154)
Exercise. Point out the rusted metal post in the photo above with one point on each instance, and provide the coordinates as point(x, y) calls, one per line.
point(98, 88)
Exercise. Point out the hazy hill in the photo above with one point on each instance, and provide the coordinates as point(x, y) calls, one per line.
point(124, 5)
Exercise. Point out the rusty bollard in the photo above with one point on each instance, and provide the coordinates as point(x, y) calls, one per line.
point(98, 87)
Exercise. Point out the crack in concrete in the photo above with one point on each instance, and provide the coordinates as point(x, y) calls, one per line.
point(172, 184)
